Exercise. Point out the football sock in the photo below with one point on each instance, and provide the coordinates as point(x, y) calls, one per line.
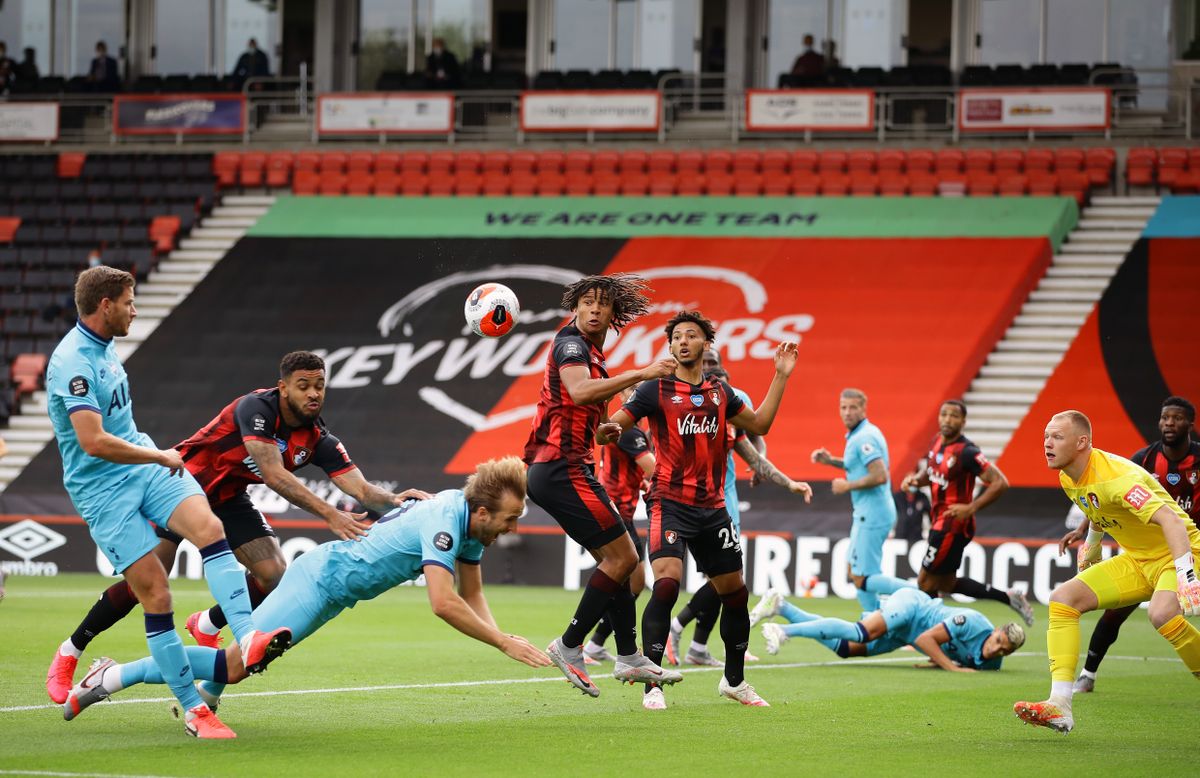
point(735, 632)
point(213, 688)
point(216, 616)
point(207, 664)
point(1104, 635)
point(1185, 639)
point(603, 630)
point(167, 651)
point(622, 612)
point(1062, 646)
point(706, 619)
point(868, 600)
point(704, 599)
point(656, 619)
point(887, 584)
point(828, 629)
point(980, 591)
point(114, 604)
point(794, 614)
point(597, 596)
point(67, 648)
point(228, 585)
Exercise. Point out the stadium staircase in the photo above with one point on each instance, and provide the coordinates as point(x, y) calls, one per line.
point(172, 280)
point(1022, 362)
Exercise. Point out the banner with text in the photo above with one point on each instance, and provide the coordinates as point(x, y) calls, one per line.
point(28, 121)
point(1032, 109)
point(198, 114)
point(616, 111)
point(385, 114)
point(776, 110)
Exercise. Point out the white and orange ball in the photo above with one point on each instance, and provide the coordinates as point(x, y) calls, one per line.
point(492, 310)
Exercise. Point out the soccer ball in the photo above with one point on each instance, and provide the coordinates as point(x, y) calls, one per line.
point(492, 310)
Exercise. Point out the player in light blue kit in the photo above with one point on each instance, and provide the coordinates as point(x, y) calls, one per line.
point(956, 639)
point(120, 482)
point(868, 481)
point(443, 538)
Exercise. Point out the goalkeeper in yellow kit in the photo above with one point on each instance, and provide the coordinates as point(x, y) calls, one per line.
point(1159, 542)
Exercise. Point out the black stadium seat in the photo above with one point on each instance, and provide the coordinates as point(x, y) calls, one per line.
point(977, 75)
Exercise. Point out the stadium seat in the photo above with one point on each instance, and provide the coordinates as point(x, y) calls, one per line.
point(864, 184)
point(415, 185)
point(305, 182)
point(979, 161)
point(550, 162)
point(606, 184)
point(690, 162)
point(803, 161)
point(831, 162)
point(551, 185)
point(225, 166)
point(948, 162)
point(495, 184)
point(1071, 159)
point(360, 183)
point(468, 184)
point(689, 184)
point(922, 184)
point(777, 183)
point(495, 162)
point(388, 161)
point(414, 163)
point(1039, 161)
point(746, 162)
point(1042, 183)
point(834, 184)
point(893, 184)
point(717, 163)
point(522, 185)
point(522, 162)
point(162, 231)
point(982, 184)
point(718, 184)
point(468, 162)
point(307, 160)
point(26, 372)
point(441, 163)
point(748, 184)
point(578, 184)
point(1013, 184)
point(861, 162)
point(918, 161)
point(662, 183)
point(250, 173)
point(1099, 164)
point(70, 164)
point(332, 162)
point(891, 161)
point(8, 228)
point(1172, 162)
point(661, 162)
point(775, 161)
point(633, 162)
point(386, 183)
point(635, 184)
point(279, 169)
point(1009, 161)
point(1140, 167)
point(360, 162)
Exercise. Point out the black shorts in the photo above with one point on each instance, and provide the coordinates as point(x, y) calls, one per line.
point(707, 532)
point(242, 521)
point(945, 552)
point(573, 497)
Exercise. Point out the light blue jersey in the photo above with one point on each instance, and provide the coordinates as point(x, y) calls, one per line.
point(84, 374)
point(910, 612)
point(341, 573)
point(731, 495)
point(864, 445)
point(396, 549)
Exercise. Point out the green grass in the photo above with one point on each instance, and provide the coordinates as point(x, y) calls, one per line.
point(843, 718)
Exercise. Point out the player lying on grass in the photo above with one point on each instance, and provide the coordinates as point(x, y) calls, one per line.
point(443, 538)
point(957, 639)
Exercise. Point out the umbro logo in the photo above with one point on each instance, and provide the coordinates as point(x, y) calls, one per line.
point(28, 539)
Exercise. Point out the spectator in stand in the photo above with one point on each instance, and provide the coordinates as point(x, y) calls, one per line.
point(252, 64)
point(809, 66)
point(104, 75)
point(831, 58)
point(27, 69)
point(94, 258)
point(8, 68)
point(441, 67)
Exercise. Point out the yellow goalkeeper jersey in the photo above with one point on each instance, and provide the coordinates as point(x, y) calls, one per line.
point(1121, 497)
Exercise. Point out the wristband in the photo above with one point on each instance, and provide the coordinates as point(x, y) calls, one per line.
point(1093, 536)
point(1185, 569)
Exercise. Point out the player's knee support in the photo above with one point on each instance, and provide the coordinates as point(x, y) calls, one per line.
point(666, 590)
point(737, 598)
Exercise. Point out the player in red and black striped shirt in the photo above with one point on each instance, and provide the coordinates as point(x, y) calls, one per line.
point(688, 414)
point(952, 465)
point(623, 469)
point(1174, 461)
point(562, 480)
point(260, 437)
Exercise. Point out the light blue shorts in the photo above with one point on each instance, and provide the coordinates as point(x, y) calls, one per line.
point(122, 520)
point(731, 505)
point(901, 607)
point(297, 603)
point(866, 546)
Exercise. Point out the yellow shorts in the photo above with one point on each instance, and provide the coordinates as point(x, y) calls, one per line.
point(1122, 580)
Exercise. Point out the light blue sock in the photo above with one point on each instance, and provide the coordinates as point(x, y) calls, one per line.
point(868, 599)
point(213, 688)
point(794, 614)
point(203, 661)
point(886, 584)
point(832, 645)
point(227, 583)
point(827, 629)
point(166, 649)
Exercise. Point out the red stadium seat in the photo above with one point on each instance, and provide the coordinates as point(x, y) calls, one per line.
point(495, 184)
point(717, 162)
point(1039, 161)
point(831, 162)
point(440, 163)
point(332, 183)
point(1098, 164)
point(551, 186)
point(1171, 163)
point(163, 231)
point(746, 161)
point(307, 160)
point(805, 183)
point(662, 183)
point(892, 184)
point(689, 161)
point(606, 163)
point(776, 161)
point(8, 228)
point(305, 182)
point(415, 185)
point(1140, 167)
point(1013, 184)
point(891, 161)
point(252, 168)
point(980, 160)
point(27, 372)
point(360, 183)
point(333, 162)
point(635, 184)
point(747, 184)
point(689, 184)
point(804, 161)
point(579, 184)
point(549, 162)
point(522, 162)
point(70, 164)
point(861, 162)
point(606, 184)
point(1186, 183)
point(980, 184)
point(1068, 160)
point(718, 184)
point(864, 184)
point(661, 162)
point(386, 183)
point(922, 184)
point(1010, 161)
point(1042, 183)
point(441, 181)
point(918, 161)
point(777, 183)
point(225, 166)
point(360, 162)
point(468, 162)
point(495, 162)
point(579, 162)
point(948, 161)
point(414, 163)
point(633, 162)
point(279, 169)
point(468, 184)
point(835, 184)
point(521, 185)
point(387, 160)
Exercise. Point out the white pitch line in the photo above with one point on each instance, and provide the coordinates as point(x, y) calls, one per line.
point(78, 775)
point(507, 681)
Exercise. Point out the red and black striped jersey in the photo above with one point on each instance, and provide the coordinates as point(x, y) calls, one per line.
point(216, 455)
point(952, 469)
point(561, 428)
point(1181, 479)
point(620, 473)
point(691, 442)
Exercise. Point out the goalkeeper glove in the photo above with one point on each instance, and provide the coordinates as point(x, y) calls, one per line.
point(1188, 586)
point(1089, 552)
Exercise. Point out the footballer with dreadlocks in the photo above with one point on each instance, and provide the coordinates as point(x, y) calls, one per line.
point(573, 403)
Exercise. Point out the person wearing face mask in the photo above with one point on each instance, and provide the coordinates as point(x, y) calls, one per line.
point(253, 63)
point(441, 67)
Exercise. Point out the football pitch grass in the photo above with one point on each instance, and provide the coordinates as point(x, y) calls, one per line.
point(389, 689)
